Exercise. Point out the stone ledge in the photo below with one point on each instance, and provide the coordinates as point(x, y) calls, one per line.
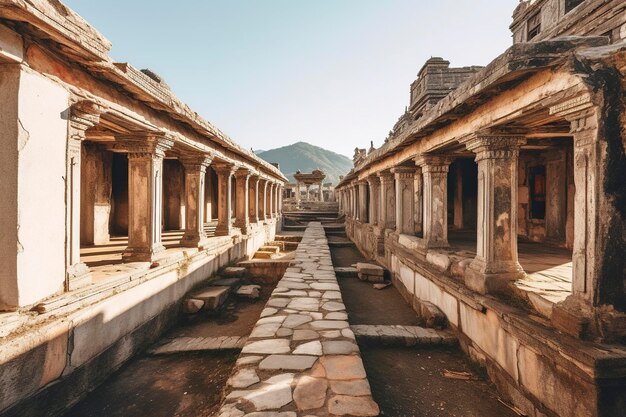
point(199, 344)
point(403, 335)
point(302, 358)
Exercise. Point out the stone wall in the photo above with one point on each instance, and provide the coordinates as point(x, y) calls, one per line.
point(47, 367)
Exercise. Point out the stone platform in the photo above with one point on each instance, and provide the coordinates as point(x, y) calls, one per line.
point(302, 358)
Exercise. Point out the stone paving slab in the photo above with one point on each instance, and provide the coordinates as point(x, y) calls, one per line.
point(196, 344)
point(403, 335)
point(302, 358)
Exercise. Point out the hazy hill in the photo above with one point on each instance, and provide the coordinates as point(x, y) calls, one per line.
point(306, 157)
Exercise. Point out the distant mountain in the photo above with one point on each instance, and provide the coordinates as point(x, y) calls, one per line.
point(306, 157)
point(258, 151)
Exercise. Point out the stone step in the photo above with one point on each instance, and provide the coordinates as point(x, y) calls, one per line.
point(225, 282)
point(235, 272)
point(346, 272)
point(248, 291)
point(389, 335)
point(213, 297)
point(263, 254)
point(268, 248)
point(199, 344)
point(280, 245)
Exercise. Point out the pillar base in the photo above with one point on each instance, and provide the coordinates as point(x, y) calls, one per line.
point(478, 279)
point(78, 276)
point(193, 241)
point(244, 227)
point(143, 254)
point(575, 317)
point(224, 230)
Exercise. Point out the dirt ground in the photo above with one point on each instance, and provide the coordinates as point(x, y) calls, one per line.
point(185, 385)
point(409, 382)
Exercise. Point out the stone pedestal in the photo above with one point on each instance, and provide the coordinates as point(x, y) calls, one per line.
point(405, 222)
point(145, 199)
point(242, 221)
point(387, 212)
point(435, 198)
point(195, 173)
point(496, 261)
point(224, 198)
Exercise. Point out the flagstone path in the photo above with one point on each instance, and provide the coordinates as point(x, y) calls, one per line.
point(302, 358)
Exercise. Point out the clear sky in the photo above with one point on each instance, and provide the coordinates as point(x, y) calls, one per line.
point(335, 73)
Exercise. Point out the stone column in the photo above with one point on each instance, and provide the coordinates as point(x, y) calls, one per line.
point(83, 115)
point(435, 197)
point(387, 219)
point(496, 261)
point(253, 198)
point(224, 173)
point(262, 195)
point(242, 219)
point(279, 199)
point(308, 190)
point(270, 200)
point(321, 191)
point(458, 198)
point(298, 196)
point(374, 188)
point(404, 177)
point(556, 197)
point(145, 194)
point(418, 201)
point(363, 206)
point(195, 174)
point(597, 307)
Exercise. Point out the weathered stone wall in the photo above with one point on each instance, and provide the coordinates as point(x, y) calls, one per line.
point(47, 368)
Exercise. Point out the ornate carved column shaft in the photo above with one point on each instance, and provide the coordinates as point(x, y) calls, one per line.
point(387, 212)
point(83, 115)
point(253, 198)
point(242, 221)
point(496, 261)
point(195, 173)
point(224, 173)
point(404, 177)
point(363, 206)
point(435, 197)
point(374, 188)
point(418, 201)
point(145, 194)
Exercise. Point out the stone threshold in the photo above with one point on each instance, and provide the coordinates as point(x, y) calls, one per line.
point(302, 359)
point(199, 344)
point(395, 335)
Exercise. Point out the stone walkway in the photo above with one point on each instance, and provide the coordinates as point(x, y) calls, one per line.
point(302, 358)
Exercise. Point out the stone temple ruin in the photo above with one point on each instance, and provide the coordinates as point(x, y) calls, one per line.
point(175, 273)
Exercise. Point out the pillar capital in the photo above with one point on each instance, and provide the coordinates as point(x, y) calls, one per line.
point(243, 172)
point(433, 163)
point(197, 162)
point(145, 143)
point(373, 180)
point(386, 176)
point(494, 146)
point(83, 115)
point(403, 172)
point(224, 168)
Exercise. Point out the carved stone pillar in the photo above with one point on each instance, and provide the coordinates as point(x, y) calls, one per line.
point(458, 198)
point(279, 197)
point(418, 201)
point(83, 115)
point(224, 173)
point(298, 196)
point(262, 199)
point(308, 191)
point(270, 200)
point(362, 186)
point(195, 173)
point(242, 209)
point(387, 212)
point(404, 177)
point(556, 197)
point(496, 261)
point(374, 188)
point(145, 194)
point(321, 191)
point(253, 198)
point(435, 197)
point(597, 306)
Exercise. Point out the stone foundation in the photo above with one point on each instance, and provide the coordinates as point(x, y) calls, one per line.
point(541, 371)
point(53, 362)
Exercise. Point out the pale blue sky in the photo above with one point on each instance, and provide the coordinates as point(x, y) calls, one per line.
point(335, 73)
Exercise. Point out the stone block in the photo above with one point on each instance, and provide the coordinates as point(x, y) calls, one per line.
point(432, 315)
point(213, 297)
point(439, 260)
point(235, 272)
point(192, 306)
point(225, 282)
point(369, 269)
point(248, 291)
